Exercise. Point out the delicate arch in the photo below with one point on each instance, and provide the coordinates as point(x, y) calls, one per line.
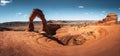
point(38, 13)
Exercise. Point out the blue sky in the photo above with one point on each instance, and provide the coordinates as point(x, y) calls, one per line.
point(19, 10)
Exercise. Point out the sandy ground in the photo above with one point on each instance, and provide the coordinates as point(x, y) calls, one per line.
point(106, 42)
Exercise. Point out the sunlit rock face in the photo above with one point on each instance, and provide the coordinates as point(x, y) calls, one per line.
point(111, 18)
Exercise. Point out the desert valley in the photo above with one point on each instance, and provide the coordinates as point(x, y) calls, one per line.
point(72, 38)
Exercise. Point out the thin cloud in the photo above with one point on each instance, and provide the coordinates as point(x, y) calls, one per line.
point(19, 13)
point(86, 13)
point(103, 11)
point(81, 7)
point(119, 8)
point(4, 2)
point(22, 15)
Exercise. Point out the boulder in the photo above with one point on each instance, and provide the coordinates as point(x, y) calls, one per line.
point(53, 27)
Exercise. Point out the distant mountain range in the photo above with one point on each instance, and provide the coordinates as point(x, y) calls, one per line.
point(50, 21)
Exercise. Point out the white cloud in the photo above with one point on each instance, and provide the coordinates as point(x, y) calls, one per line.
point(103, 11)
point(22, 15)
point(87, 13)
point(4, 2)
point(81, 7)
point(119, 8)
point(19, 13)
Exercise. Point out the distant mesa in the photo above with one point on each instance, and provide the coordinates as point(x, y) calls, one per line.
point(5, 29)
point(111, 18)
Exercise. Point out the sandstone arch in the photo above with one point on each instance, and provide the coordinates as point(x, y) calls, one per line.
point(47, 28)
point(37, 13)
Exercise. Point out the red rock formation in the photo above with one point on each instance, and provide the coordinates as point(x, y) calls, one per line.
point(53, 28)
point(38, 13)
point(48, 29)
point(110, 19)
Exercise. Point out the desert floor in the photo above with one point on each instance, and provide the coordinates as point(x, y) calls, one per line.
point(106, 42)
